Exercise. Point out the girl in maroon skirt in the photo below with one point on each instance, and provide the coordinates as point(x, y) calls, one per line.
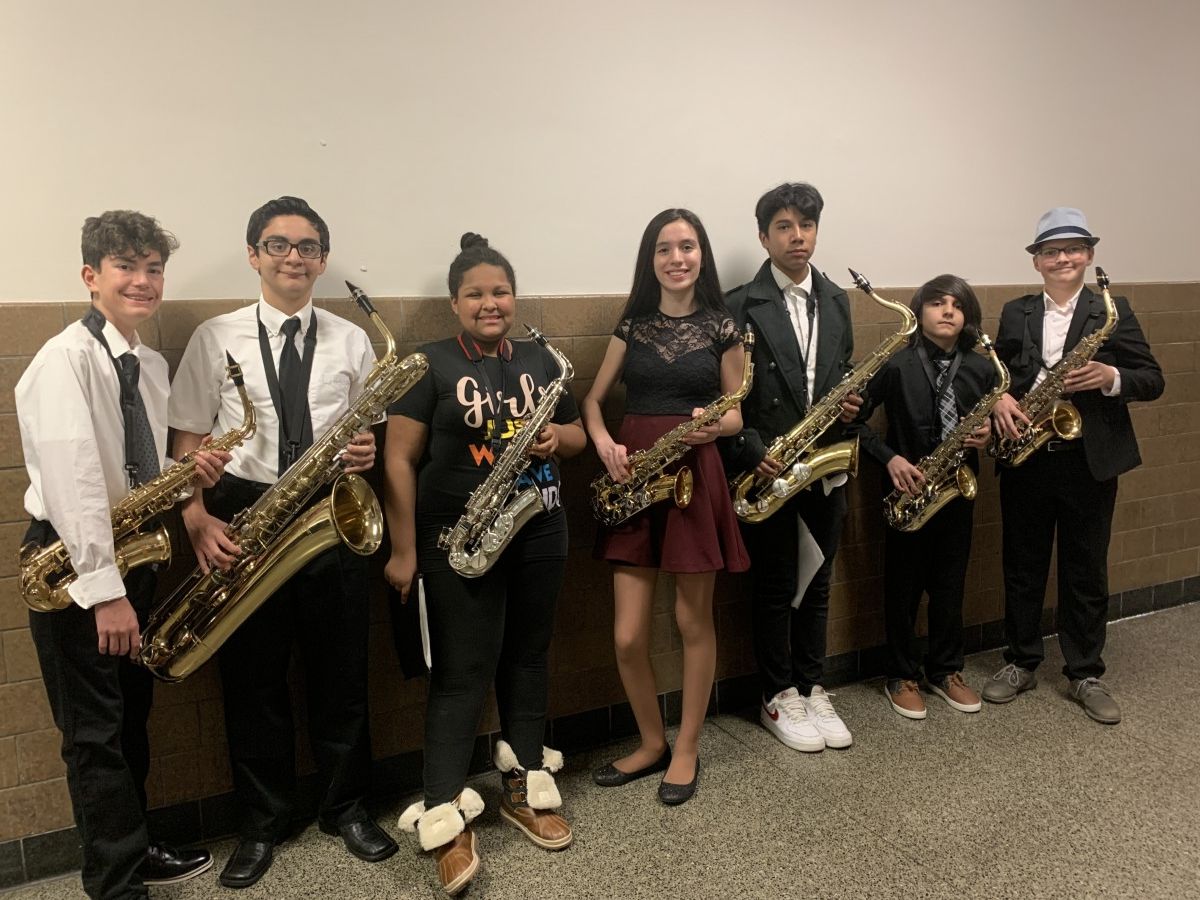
point(677, 350)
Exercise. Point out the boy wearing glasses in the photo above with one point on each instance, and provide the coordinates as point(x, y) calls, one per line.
point(303, 368)
point(1068, 486)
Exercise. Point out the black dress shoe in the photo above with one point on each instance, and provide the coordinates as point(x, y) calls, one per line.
point(166, 865)
point(249, 863)
point(364, 839)
point(674, 794)
point(611, 776)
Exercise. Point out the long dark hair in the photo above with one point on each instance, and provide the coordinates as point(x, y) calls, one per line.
point(475, 251)
point(957, 288)
point(646, 292)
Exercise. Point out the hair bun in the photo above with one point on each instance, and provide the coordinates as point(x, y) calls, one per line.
point(471, 239)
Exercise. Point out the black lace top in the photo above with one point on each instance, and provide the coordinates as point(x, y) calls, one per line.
point(673, 364)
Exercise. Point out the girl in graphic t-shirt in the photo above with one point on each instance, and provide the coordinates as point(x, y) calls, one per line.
point(443, 437)
point(677, 350)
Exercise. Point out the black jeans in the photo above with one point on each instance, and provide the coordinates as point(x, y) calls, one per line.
point(789, 644)
point(1056, 491)
point(323, 609)
point(100, 704)
point(497, 626)
point(932, 560)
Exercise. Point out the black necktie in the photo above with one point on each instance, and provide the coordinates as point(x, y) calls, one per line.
point(141, 454)
point(811, 305)
point(291, 386)
point(947, 409)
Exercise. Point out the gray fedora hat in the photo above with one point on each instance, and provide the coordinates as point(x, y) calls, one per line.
point(1062, 222)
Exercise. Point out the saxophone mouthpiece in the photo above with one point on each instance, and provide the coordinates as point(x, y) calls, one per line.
point(862, 283)
point(1101, 279)
point(985, 342)
point(360, 297)
point(235, 371)
point(536, 335)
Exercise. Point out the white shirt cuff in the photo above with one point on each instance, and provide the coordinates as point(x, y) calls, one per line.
point(97, 587)
point(1116, 388)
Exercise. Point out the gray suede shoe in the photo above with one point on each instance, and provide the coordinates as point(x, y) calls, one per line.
point(1007, 683)
point(1092, 694)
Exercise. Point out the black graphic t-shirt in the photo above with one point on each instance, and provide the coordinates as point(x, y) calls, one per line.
point(460, 401)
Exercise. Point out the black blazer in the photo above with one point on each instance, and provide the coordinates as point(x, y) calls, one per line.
point(776, 400)
point(903, 389)
point(1108, 437)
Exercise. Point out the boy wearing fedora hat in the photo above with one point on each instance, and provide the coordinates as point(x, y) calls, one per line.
point(1068, 486)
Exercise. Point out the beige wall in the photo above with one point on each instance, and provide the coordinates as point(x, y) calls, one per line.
point(1156, 540)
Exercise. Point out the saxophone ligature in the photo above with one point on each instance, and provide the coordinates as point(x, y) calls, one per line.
point(277, 535)
point(47, 572)
point(945, 472)
point(648, 482)
point(1049, 414)
point(497, 510)
point(756, 498)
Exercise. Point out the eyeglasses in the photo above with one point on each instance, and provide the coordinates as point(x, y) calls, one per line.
point(1075, 251)
point(281, 247)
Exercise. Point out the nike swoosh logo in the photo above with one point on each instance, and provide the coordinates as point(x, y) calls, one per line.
point(774, 714)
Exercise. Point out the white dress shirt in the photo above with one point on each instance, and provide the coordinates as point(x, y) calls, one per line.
point(1055, 324)
point(203, 399)
point(73, 437)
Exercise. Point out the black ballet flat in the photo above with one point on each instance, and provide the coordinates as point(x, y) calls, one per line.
point(610, 776)
point(674, 794)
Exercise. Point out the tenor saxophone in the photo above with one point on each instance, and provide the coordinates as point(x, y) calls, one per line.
point(1049, 414)
point(756, 498)
point(47, 572)
point(496, 510)
point(613, 502)
point(275, 539)
point(945, 475)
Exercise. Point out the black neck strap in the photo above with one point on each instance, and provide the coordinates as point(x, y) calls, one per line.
point(94, 322)
point(291, 421)
point(931, 372)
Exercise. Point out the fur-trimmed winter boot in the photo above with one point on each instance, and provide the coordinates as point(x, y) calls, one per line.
point(529, 796)
point(446, 831)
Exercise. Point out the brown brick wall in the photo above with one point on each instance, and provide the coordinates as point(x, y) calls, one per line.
point(1156, 539)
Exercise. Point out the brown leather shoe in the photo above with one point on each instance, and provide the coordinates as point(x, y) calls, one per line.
point(457, 862)
point(544, 827)
point(955, 691)
point(905, 697)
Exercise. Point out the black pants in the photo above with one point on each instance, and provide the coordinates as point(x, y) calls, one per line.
point(1057, 491)
point(323, 609)
point(100, 704)
point(497, 626)
point(789, 644)
point(934, 561)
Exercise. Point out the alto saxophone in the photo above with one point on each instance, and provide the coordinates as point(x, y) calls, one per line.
point(47, 572)
point(945, 475)
point(756, 498)
point(1049, 414)
point(276, 541)
point(613, 502)
point(496, 510)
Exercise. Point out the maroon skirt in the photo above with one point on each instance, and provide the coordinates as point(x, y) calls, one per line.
point(703, 537)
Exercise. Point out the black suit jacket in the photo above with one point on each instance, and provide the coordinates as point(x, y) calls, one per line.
point(776, 400)
point(1108, 437)
point(903, 389)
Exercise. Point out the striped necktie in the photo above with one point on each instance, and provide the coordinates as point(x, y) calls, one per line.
point(947, 408)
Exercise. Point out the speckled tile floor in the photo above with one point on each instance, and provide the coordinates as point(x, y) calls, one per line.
point(1027, 800)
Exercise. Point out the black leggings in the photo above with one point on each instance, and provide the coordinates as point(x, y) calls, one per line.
point(496, 626)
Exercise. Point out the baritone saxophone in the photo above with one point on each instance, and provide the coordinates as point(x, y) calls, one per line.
point(47, 572)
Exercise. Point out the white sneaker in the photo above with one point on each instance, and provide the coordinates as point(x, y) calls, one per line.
point(786, 717)
point(827, 722)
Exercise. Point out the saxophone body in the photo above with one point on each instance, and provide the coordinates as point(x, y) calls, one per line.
point(946, 476)
point(614, 502)
point(1050, 415)
point(755, 498)
point(47, 572)
point(496, 510)
point(276, 540)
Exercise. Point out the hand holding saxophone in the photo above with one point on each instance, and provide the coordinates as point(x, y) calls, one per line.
point(615, 458)
point(359, 455)
point(1008, 417)
point(1093, 376)
point(705, 434)
point(210, 464)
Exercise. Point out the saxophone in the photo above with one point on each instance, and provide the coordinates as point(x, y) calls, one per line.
point(945, 475)
point(191, 625)
point(1049, 414)
point(47, 573)
point(613, 503)
point(496, 510)
point(756, 498)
